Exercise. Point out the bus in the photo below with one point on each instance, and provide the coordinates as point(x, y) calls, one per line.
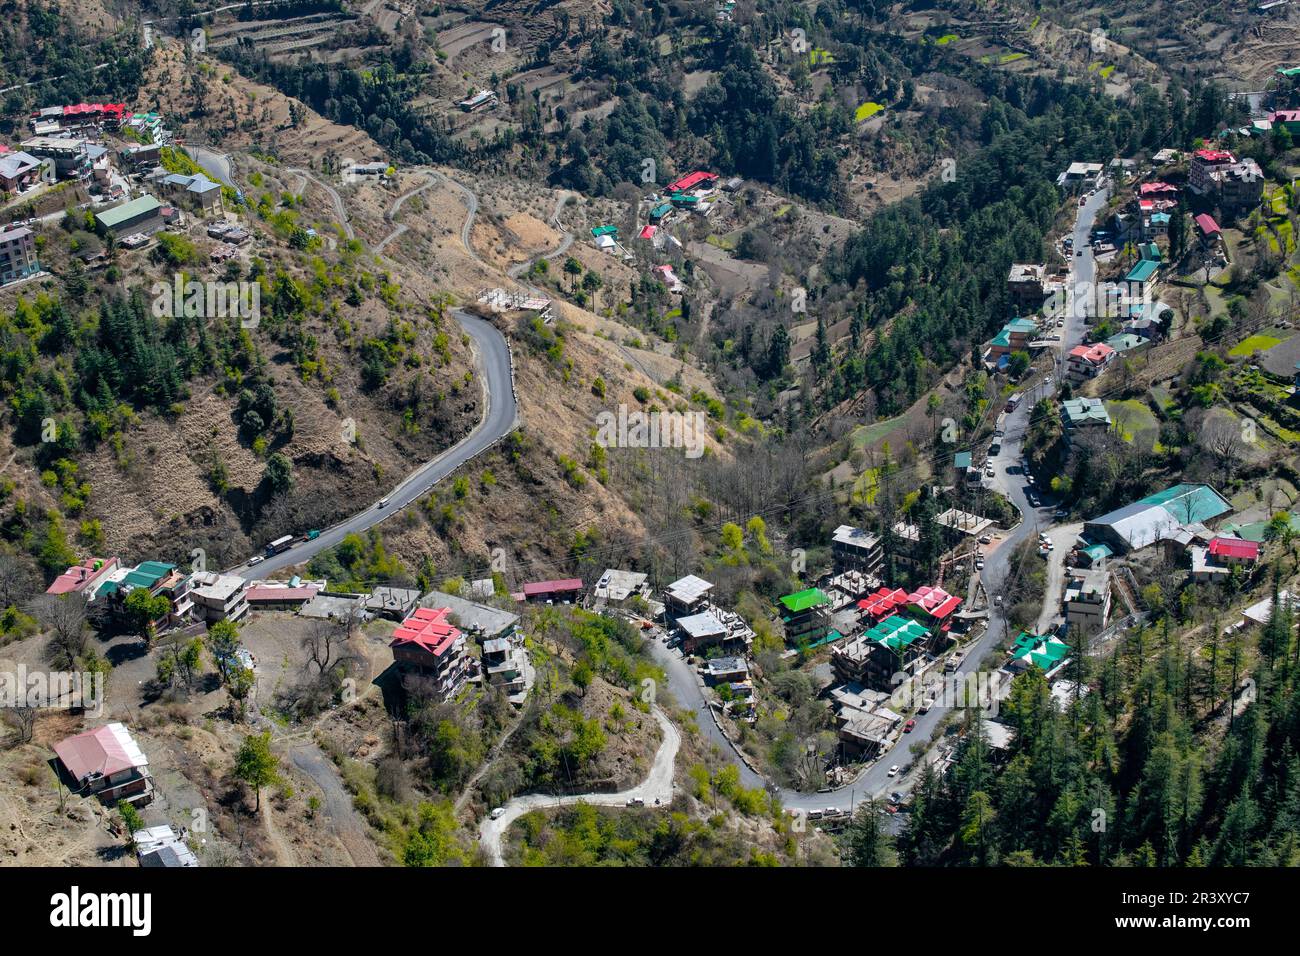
point(279, 544)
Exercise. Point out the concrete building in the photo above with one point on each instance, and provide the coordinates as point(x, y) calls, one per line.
point(686, 596)
point(427, 645)
point(1156, 517)
point(873, 658)
point(1027, 285)
point(66, 155)
point(19, 171)
point(84, 578)
point(393, 603)
point(17, 255)
point(195, 192)
point(806, 616)
point(1087, 600)
point(219, 597)
point(1084, 413)
point(563, 591)
point(856, 549)
point(617, 587)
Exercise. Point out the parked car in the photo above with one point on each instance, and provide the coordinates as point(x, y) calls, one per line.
point(979, 564)
point(909, 726)
point(926, 705)
point(498, 813)
point(256, 559)
point(896, 797)
point(893, 771)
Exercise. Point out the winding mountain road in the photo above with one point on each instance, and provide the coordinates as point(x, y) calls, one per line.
point(656, 790)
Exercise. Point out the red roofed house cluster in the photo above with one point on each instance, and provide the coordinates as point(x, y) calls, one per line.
point(1088, 361)
point(106, 762)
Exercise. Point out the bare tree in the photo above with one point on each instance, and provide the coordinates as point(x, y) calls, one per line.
point(15, 580)
point(23, 720)
point(64, 615)
point(1221, 437)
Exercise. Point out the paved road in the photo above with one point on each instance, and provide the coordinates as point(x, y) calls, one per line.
point(566, 240)
point(658, 785)
point(499, 420)
point(215, 164)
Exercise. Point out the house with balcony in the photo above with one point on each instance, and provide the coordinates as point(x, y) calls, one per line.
point(106, 763)
point(855, 549)
point(873, 658)
point(806, 617)
point(1087, 600)
point(17, 254)
point(218, 597)
point(1086, 362)
point(428, 646)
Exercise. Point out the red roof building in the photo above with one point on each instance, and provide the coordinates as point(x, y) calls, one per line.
point(428, 643)
point(106, 761)
point(690, 181)
point(1234, 550)
point(1156, 189)
point(936, 604)
point(883, 603)
point(83, 578)
point(562, 590)
point(1209, 228)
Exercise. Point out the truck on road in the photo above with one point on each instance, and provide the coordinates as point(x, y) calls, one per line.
point(279, 545)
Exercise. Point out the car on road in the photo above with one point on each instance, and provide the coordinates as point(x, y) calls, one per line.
point(909, 726)
point(893, 771)
point(256, 559)
point(635, 802)
point(896, 797)
point(986, 539)
point(979, 564)
point(498, 813)
point(383, 502)
point(997, 601)
point(926, 705)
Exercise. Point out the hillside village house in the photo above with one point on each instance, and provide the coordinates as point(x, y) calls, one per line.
point(872, 659)
point(67, 156)
point(107, 763)
point(855, 549)
point(1087, 600)
point(806, 616)
point(430, 647)
point(195, 192)
point(565, 591)
point(1088, 361)
point(1077, 413)
point(617, 587)
point(17, 254)
point(84, 578)
point(218, 597)
point(19, 170)
point(1157, 517)
point(1217, 174)
point(1046, 653)
point(687, 595)
point(1015, 336)
point(1080, 176)
point(1027, 285)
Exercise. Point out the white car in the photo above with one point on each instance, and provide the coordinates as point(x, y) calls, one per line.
point(498, 813)
point(979, 565)
point(256, 559)
point(893, 771)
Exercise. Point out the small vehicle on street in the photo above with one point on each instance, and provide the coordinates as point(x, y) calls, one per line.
point(909, 726)
point(893, 771)
point(498, 813)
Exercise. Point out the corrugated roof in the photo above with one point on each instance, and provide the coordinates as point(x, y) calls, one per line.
point(805, 599)
point(120, 214)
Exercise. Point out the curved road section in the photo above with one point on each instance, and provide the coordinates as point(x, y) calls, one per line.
point(658, 786)
point(499, 420)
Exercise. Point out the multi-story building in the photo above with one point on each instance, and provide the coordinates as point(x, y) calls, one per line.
point(855, 549)
point(218, 597)
point(17, 255)
point(806, 616)
point(1087, 600)
point(67, 154)
point(872, 659)
point(429, 645)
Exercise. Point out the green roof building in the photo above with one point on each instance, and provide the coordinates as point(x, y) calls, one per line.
point(143, 214)
point(898, 633)
point(806, 616)
point(1031, 650)
point(1142, 272)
